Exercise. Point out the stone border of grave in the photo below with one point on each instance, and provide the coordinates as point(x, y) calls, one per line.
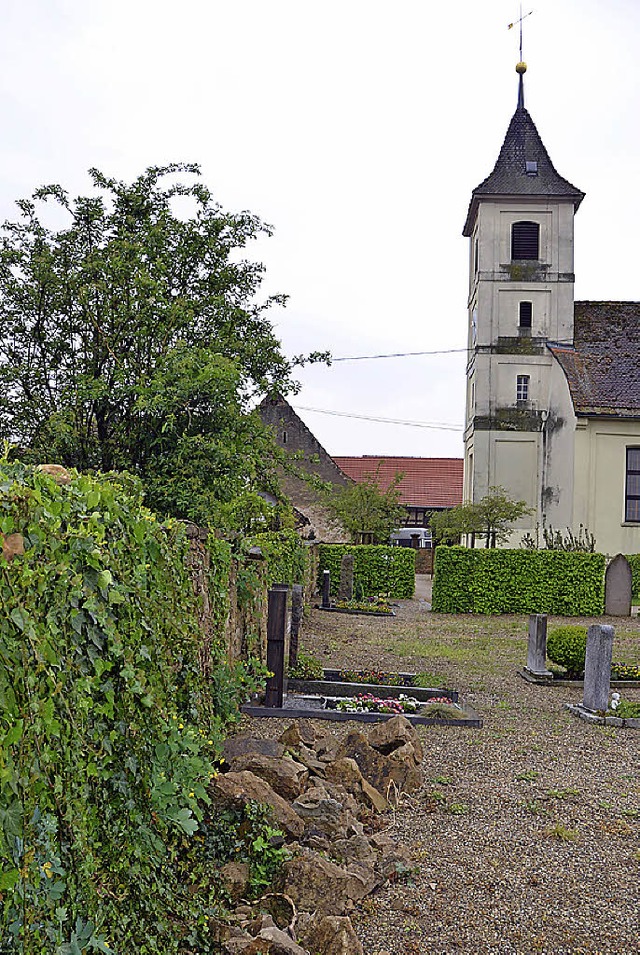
point(336, 687)
point(357, 613)
point(468, 716)
point(577, 709)
point(536, 669)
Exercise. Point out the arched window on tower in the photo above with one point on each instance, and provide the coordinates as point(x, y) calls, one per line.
point(525, 240)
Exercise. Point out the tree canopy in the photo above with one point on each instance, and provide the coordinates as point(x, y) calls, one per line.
point(132, 338)
point(367, 512)
point(492, 517)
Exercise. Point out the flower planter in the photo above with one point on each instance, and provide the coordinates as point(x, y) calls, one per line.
point(333, 685)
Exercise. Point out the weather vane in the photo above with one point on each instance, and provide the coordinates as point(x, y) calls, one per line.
point(519, 21)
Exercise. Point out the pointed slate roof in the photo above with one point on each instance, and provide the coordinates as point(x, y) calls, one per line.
point(522, 145)
point(603, 365)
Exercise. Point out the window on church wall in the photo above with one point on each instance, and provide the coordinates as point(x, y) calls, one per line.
point(522, 388)
point(632, 489)
point(525, 240)
point(525, 315)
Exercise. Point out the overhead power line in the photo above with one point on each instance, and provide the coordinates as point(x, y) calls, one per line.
point(400, 354)
point(432, 425)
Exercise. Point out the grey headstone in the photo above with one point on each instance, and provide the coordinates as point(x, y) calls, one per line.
point(597, 667)
point(617, 588)
point(346, 577)
point(537, 646)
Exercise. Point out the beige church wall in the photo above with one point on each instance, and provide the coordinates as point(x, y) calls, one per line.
point(600, 465)
point(557, 457)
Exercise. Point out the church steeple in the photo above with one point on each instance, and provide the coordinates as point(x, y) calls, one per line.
point(523, 168)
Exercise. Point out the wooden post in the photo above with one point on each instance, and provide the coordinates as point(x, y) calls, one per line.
point(276, 629)
point(297, 607)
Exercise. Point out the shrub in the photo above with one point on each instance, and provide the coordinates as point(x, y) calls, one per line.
point(567, 647)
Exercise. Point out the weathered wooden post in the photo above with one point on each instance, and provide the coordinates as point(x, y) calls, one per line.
point(326, 589)
point(297, 608)
point(276, 632)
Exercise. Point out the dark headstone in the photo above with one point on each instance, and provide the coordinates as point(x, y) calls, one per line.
point(618, 587)
point(346, 577)
point(326, 589)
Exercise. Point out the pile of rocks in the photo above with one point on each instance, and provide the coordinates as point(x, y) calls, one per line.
point(321, 789)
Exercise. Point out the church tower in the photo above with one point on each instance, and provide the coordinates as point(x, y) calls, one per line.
point(521, 298)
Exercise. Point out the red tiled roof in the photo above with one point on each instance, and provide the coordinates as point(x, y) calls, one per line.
point(427, 482)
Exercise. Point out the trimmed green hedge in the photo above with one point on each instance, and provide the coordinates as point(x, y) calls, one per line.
point(518, 581)
point(634, 560)
point(376, 568)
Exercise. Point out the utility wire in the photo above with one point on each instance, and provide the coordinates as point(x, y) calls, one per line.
point(400, 354)
point(436, 426)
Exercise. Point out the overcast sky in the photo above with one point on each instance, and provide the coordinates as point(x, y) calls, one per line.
point(358, 129)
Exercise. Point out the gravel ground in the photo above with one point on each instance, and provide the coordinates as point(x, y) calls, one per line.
point(526, 833)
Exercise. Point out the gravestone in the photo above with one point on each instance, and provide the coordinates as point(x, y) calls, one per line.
point(326, 589)
point(617, 588)
point(346, 577)
point(537, 646)
point(597, 667)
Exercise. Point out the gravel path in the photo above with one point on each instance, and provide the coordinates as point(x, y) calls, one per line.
point(526, 834)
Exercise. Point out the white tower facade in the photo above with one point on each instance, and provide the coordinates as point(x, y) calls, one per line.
point(519, 431)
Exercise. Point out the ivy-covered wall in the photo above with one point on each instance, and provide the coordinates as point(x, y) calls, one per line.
point(518, 581)
point(111, 718)
point(377, 568)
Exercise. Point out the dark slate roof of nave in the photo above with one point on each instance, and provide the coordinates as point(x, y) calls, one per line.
point(603, 366)
point(522, 144)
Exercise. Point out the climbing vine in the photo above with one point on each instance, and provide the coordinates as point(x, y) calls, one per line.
point(109, 731)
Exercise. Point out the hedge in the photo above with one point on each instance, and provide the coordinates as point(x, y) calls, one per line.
point(377, 569)
point(634, 560)
point(518, 581)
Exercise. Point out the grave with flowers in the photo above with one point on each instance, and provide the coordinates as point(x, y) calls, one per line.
point(599, 704)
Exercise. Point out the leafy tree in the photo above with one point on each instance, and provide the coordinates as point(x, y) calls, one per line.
point(367, 512)
point(132, 339)
point(492, 517)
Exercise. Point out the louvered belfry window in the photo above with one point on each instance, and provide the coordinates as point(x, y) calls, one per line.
point(525, 240)
point(525, 314)
point(632, 491)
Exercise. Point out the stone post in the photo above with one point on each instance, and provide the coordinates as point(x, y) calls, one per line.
point(346, 577)
point(597, 667)
point(297, 607)
point(276, 632)
point(326, 590)
point(537, 646)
